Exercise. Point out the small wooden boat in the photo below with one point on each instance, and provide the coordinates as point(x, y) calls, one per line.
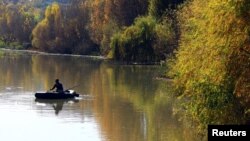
point(55, 95)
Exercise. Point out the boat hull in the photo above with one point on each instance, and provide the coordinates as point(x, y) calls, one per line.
point(51, 95)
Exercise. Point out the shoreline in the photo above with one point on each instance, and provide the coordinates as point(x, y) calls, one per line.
point(53, 54)
point(164, 78)
point(76, 55)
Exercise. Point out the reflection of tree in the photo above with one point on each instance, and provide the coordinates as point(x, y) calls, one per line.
point(135, 78)
point(14, 68)
point(134, 107)
point(69, 70)
point(38, 72)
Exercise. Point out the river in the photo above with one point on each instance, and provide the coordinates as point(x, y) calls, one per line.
point(116, 103)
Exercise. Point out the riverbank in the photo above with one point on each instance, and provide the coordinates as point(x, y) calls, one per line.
point(164, 78)
point(86, 56)
point(54, 54)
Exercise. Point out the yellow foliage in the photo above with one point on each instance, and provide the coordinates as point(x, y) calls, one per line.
point(213, 58)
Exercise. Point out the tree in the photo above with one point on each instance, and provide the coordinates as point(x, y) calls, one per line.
point(146, 41)
point(105, 14)
point(158, 7)
point(17, 22)
point(212, 69)
point(63, 30)
point(46, 31)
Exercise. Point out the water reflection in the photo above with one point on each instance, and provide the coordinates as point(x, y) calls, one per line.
point(38, 72)
point(56, 104)
point(118, 102)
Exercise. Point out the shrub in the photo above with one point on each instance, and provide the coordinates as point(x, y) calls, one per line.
point(212, 62)
point(145, 41)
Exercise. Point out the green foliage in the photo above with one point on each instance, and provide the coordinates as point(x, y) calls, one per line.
point(2, 44)
point(16, 23)
point(63, 30)
point(212, 60)
point(109, 16)
point(44, 34)
point(134, 44)
point(15, 45)
point(145, 41)
point(158, 7)
point(108, 30)
point(165, 38)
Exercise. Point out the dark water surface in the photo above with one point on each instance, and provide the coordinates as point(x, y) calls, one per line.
point(117, 102)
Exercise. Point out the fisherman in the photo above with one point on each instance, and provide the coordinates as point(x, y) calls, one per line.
point(58, 86)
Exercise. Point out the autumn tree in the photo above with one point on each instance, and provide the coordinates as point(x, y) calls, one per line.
point(151, 38)
point(17, 22)
point(45, 33)
point(158, 7)
point(109, 16)
point(63, 30)
point(211, 72)
point(146, 41)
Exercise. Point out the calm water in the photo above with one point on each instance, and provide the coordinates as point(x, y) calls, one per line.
point(117, 102)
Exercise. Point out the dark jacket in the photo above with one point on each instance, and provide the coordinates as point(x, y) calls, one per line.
point(58, 86)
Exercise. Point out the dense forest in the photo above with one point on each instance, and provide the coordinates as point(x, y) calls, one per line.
point(134, 30)
point(206, 44)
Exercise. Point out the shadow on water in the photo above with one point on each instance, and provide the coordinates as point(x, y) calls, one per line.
point(56, 104)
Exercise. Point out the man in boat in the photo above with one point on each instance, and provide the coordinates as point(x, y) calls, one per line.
point(58, 86)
